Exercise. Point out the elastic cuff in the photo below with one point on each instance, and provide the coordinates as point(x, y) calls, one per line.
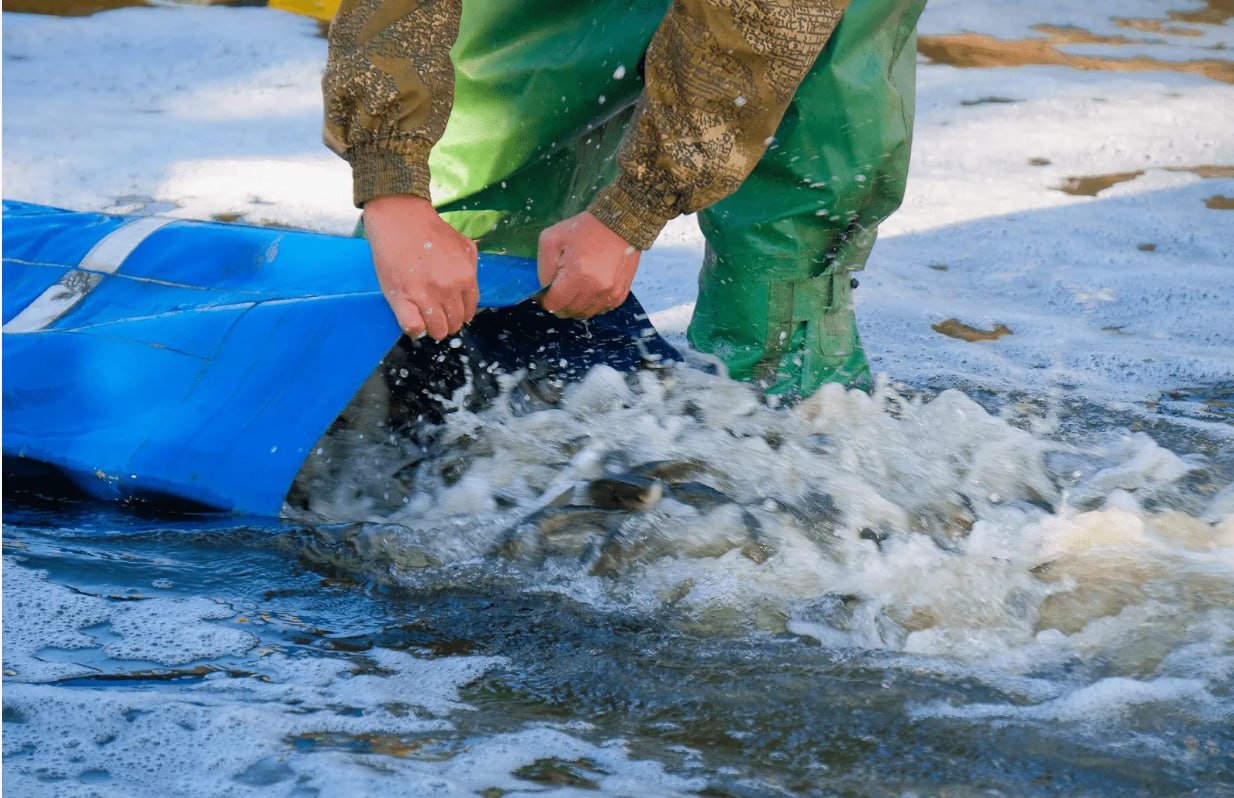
point(378, 171)
point(629, 213)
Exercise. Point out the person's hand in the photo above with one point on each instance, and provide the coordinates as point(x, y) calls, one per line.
point(587, 267)
point(426, 269)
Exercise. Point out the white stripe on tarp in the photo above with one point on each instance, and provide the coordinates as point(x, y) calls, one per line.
point(104, 257)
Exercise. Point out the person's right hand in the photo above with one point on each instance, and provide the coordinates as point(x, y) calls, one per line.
point(426, 269)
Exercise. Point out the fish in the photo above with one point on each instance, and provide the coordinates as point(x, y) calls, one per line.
point(671, 472)
point(698, 494)
point(557, 530)
point(628, 492)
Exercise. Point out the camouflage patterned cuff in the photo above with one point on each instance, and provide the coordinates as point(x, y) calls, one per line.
point(629, 213)
point(381, 170)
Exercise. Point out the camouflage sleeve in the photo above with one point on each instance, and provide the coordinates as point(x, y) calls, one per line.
point(720, 75)
point(388, 88)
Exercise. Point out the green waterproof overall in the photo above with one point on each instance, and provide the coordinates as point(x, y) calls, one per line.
point(544, 90)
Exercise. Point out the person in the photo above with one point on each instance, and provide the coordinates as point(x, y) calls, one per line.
point(572, 131)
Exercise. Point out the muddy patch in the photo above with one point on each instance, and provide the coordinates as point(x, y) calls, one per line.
point(954, 328)
point(1155, 26)
point(982, 51)
point(85, 8)
point(1214, 12)
point(69, 8)
point(1092, 185)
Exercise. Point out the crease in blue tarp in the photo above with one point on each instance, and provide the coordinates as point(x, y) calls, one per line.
point(206, 365)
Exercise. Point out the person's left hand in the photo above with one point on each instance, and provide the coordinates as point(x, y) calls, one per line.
point(587, 267)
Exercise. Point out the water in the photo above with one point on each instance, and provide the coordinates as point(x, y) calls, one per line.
point(887, 595)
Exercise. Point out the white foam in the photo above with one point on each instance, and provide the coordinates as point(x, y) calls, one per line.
point(375, 723)
point(246, 737)
point(62, 614)
point(175, 631)
point(1101, 701)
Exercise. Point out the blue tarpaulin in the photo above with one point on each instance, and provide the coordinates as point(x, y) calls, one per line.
point(147, 357)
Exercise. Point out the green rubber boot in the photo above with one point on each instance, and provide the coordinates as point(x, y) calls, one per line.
point(788, 335)
point(775, 292)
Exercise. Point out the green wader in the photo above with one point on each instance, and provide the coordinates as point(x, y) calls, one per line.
point(544, 91)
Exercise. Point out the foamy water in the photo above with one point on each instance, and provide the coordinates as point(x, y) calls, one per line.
point(820, 520)
point(1081, 590)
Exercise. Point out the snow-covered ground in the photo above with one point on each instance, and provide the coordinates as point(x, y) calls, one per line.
point(201, 112)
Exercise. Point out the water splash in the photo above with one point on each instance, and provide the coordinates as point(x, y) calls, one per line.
point(879, 521)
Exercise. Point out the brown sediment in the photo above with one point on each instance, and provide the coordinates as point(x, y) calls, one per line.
point(1155, 26)
point(981, 50)
point(68, 8)
point(953, 328)
point(1207, 171)
point(197, 672)
point(1092, 185)
point(227, 217)
point(1039, 161)
point(561, 773)
point(425, 749)
point(1147, 247)
point(1069, 34)
point(1215, 12)
point(1220, 202)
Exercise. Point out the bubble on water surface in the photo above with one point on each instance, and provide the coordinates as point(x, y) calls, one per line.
point(63, 615)
point(175, 632)
point(287, 733)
